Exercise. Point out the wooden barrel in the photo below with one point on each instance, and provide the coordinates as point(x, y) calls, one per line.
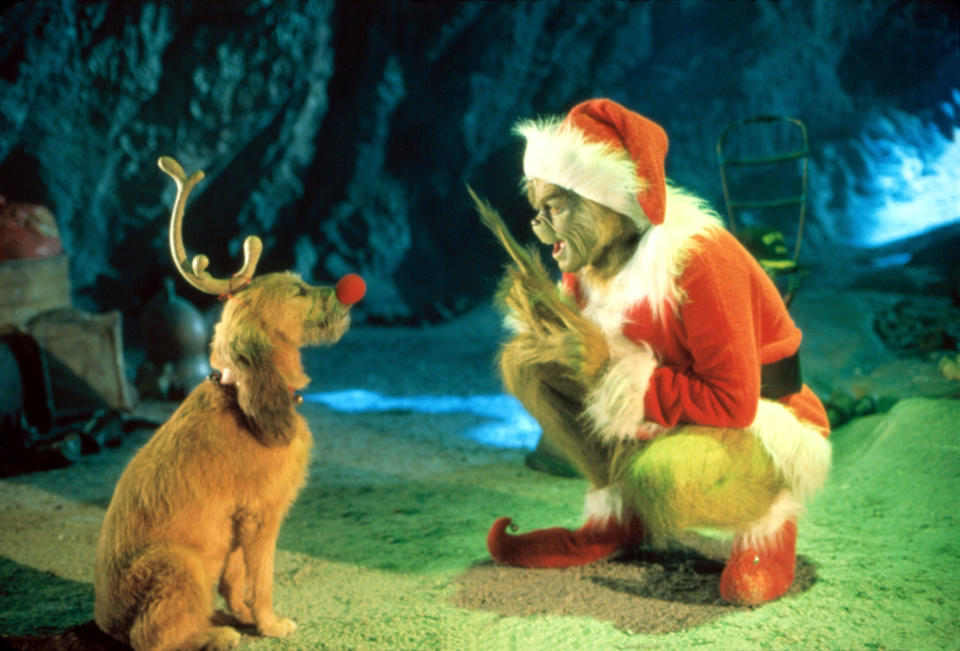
point(31, 286)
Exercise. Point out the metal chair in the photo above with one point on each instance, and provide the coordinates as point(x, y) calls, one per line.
point(766, 243)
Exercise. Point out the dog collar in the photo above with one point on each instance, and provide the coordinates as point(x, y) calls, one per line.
point(295, 394)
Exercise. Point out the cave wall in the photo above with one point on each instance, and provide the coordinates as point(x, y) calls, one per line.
point(343, 133)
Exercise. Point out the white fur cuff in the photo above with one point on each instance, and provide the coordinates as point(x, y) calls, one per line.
point(764, 531)
point(615, 407)
point(604, 504)
point(798, 449)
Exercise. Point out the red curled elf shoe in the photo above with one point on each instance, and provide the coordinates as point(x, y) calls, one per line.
point(759, 573)
point(559, 547)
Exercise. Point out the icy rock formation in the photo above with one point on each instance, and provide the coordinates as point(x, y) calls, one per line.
point(901, 178)
point(343, 133)
point(422, 103)
point(93, 93)
point(374, 211)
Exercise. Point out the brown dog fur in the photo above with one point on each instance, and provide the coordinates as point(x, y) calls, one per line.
point(200, 505)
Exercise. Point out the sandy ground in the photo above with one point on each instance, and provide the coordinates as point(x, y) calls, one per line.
point(385, 547)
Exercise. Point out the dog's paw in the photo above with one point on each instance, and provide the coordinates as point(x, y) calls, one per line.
point(276, 627)
point(218, 638)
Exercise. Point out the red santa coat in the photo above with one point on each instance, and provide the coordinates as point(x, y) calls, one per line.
point(729, 321)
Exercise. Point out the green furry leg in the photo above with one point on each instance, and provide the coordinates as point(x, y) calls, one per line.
point(701, 477)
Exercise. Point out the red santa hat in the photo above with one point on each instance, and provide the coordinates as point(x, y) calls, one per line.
point(604, 152)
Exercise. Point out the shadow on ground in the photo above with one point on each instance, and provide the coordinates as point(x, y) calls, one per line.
point(641, 591)
point(62, 599)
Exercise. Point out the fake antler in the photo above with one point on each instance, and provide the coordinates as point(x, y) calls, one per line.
point(196, 273)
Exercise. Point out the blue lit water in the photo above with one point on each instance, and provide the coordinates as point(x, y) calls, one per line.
point(912, 184)
point(508, 424)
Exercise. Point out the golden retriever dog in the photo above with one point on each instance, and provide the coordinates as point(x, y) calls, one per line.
point(199, 507)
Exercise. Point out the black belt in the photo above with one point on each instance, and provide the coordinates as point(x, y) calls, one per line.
point(781, 378)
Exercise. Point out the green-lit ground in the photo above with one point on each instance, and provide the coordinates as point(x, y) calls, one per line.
point(398, 505)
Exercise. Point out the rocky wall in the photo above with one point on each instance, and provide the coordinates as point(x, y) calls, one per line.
point(343, 133)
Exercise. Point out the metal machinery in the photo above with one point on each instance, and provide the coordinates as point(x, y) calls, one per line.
point(763, 168)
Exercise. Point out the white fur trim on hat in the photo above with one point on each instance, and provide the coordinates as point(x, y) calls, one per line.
point(615, 406)
point(561, 154)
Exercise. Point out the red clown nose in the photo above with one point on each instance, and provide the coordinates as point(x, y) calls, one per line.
point(350, 289)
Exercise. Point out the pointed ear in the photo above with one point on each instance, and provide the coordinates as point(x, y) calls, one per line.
point(262, 394)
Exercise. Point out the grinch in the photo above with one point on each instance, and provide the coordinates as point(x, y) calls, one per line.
point(663, 363)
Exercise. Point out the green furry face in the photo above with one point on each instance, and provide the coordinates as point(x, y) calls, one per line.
point(561, 223)
point(583, 233)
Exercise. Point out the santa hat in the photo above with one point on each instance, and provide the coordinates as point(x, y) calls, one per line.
point(604, 152)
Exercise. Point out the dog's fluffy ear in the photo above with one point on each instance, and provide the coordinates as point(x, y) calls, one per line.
point(262, 393)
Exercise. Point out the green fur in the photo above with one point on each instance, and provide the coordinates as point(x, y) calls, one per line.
point(701, 477)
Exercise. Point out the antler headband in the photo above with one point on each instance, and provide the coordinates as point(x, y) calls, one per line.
point(196, 273)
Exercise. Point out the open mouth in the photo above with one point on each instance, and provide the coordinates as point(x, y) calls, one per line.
point(558, 248)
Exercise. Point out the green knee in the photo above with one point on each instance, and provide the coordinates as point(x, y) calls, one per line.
point(701, 477)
